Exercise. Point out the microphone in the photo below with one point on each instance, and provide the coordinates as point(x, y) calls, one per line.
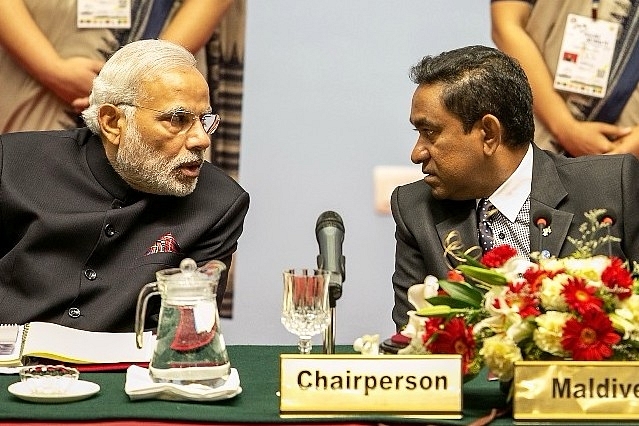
point(541, 221)
point(329, 231)
point(608, 219)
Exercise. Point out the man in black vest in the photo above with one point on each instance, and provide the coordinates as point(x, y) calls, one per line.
point(87, 216)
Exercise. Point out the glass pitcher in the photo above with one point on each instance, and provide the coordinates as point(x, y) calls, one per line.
point(190, 347)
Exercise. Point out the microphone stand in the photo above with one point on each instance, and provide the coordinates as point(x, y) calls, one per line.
point(334, 292)
point(329, 333)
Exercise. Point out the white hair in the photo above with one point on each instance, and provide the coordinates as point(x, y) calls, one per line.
point(122, 75)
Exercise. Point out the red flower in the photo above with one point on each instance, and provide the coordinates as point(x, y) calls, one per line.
point(497, 256)
point(580, 297)
point(590, 339)
point(431, 327)
point(519, 295)
point(451, 337)
point(456, 276)
point(617, 278)
point(535, 275)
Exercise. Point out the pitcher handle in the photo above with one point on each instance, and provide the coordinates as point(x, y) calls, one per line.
point(140, 310)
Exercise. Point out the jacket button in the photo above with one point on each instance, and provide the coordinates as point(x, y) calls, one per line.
point(90, 274)
point(108, 230)
point(74, 312)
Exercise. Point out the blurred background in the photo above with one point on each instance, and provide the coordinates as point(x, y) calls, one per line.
point(326, 102)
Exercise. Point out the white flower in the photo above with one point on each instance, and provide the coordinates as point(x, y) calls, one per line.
point(549, 332)
point(550, 293)
point(520, 331)
point(551, 264)
point(503, 319)
point(431, 286)
point(500, 354)
point(415, 325)
point(368, 344)
point(418, 293)
point(626, 317)
point(590, 268)
point(515, 267)
point(629, 308)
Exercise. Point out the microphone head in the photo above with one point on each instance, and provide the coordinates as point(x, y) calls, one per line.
point(329, 218)
point(608, 218)
point(329, 232)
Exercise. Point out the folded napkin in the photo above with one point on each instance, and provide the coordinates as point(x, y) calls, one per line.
point(139, 385)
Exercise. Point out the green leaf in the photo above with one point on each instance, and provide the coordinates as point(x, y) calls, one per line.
point(463, 292)
point(473, 262)
point(434, 311)
point(483, 275)
point(449, 301)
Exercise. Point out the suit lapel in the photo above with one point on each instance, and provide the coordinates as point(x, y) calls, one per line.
point(546, 194)
point(463, 222)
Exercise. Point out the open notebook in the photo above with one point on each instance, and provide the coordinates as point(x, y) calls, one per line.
point(69, 345)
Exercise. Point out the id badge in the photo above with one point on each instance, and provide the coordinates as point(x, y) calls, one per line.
point(104, 14)
point(586, 55)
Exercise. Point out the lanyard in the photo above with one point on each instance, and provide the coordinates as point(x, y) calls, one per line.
point(595, 9)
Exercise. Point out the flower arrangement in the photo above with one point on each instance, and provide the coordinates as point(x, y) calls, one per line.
point(503, 308)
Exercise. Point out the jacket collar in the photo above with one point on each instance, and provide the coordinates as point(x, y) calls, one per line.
point(547, 193)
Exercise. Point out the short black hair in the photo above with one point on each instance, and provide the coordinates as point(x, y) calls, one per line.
point(482, 80)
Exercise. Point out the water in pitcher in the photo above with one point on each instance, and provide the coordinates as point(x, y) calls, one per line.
point(190, 347)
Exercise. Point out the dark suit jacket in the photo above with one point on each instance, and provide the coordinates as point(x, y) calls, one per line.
point(75, 238)
point(563, 188)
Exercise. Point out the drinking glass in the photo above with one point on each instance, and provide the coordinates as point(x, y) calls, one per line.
point(305, 305)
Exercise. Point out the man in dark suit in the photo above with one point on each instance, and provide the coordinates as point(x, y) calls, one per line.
point(87, 216)
point(473, 111)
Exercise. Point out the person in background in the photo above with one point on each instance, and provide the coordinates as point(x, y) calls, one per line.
point(89, 215)
point(580, 118)
point(472, 110)
point(47, 62)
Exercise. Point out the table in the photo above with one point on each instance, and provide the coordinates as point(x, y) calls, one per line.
point(258, 367)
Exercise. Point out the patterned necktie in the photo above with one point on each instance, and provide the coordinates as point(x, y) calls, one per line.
point(485, 211)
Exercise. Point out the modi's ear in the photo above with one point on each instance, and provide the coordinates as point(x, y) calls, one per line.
point(491, 128)
point(112, 121)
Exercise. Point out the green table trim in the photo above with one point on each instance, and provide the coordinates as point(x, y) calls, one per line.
point(258, 367)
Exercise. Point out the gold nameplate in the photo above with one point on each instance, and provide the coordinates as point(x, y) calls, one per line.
point(576, 390)
point(415, 385)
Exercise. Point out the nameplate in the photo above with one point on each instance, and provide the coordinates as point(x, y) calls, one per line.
point(411, 385)
point(576, 390)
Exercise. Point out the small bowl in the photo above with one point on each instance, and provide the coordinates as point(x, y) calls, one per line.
point(49, 379)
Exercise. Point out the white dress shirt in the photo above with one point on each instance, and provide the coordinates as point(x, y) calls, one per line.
point(512, 224)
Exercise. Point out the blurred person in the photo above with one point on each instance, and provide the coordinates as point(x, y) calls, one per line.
point(572, 120)
point(472, 109)
point(89, 215)
point(47, 62)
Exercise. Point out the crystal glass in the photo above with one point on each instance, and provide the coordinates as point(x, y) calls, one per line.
point(305, 305)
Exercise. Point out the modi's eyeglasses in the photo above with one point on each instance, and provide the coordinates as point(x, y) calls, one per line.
point(182, 120)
